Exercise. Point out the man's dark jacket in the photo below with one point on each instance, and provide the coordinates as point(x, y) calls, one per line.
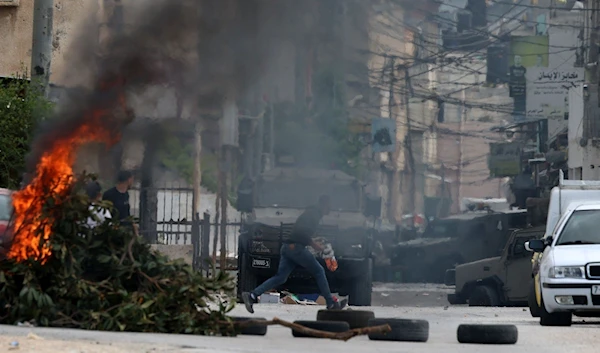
point(306, 226)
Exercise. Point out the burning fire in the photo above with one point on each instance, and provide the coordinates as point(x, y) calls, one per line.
point(53, 177)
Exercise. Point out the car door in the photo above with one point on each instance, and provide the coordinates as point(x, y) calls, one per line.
point(518, 266)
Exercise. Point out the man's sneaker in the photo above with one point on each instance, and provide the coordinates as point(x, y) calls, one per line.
point(338, 305)
point(248, 301)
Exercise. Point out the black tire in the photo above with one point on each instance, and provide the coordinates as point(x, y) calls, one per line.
point(487, 334)
point(246, 280)
point(257, 330)
point(328, 326)
point(362, 287)
point(403, 330)
point(534, 309)
point(484, 296)
point(354, 318)
point(554, 319)
point(456, 299)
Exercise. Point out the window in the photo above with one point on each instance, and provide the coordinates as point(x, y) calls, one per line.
point(581, 228)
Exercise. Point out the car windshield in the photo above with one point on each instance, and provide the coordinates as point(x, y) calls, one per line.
point(581, 228)
point(5, 207)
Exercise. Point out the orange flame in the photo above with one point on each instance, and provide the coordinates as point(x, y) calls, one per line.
point(53, 177)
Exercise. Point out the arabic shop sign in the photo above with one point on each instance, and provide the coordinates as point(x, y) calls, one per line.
point(548, 95)
point(548, 91)
point(504, 159)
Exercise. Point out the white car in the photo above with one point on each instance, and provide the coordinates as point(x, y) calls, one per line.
point(569, 275)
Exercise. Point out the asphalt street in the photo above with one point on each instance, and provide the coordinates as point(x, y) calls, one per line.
point(582, 337)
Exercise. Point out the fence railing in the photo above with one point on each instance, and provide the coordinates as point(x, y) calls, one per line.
point(166, 218)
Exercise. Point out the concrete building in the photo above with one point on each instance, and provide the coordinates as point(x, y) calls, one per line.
point(401, 77)
point(16, 26)
point(584, 133)
point(470, 111)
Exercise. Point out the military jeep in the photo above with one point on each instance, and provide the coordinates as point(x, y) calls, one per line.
point(455, 240)
point(496, 281)
point(278, 197)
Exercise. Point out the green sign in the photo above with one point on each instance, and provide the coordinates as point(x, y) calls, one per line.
point(505, 159)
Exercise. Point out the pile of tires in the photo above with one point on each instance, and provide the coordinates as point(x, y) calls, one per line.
point(402, 330)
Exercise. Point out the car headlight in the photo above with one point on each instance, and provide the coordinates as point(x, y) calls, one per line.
point(566, 272)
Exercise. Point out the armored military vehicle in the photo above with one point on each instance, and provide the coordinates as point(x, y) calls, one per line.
point(274, 202)
point(455, 240)
point(496, 281)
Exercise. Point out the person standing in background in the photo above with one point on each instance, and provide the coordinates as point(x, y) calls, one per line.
point(94, 192)
point(119, 196)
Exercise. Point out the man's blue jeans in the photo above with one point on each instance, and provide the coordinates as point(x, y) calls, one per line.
point(289, 260)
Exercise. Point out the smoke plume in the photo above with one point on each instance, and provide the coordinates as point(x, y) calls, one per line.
point(200, 49)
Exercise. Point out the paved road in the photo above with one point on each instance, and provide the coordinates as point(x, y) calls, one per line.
point(581, 338)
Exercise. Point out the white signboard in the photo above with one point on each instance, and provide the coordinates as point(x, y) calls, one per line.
point(548, 94)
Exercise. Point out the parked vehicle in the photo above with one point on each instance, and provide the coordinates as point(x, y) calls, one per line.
point(562, 196)
point(6, 234)
point(278, 197)
point(496, 281)
point(569, 266)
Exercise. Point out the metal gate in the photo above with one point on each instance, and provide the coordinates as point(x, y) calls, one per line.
point(167, 219)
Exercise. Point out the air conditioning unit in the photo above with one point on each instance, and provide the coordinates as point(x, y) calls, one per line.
point(9, 2)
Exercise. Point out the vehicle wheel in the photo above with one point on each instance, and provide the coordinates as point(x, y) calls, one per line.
point(246, 280)
point(253, 330)
point(354, 318)
point(487, 334)
point(554, 319)
point(402, 330)
point(456, 299)
point(484, 296)
point(534, 309)
point(328, 326)
point(362, 288)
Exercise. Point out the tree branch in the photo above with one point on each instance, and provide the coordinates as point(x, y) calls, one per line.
point(343, 336)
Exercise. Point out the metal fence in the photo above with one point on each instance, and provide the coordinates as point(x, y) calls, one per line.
point(171, 222)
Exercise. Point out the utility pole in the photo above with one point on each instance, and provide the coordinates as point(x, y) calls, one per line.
point(442, 192)
point(197, 177)
point(463, 117)
point(411, 157)
point(41, 49)
point(395, 190)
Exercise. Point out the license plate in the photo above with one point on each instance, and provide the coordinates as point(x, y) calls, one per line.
point(261, 263)
point(595, 290)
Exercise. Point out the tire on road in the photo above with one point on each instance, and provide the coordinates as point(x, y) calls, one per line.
point(328, 326)
point(484, 296)
point(487, 334)
point(403, 330)
point(554, 319)
point(254, 330)
point(354, 318)
point(362, 287)
point(534, 309)
point(456, 299)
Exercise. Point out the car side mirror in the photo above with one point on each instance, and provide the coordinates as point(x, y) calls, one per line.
point(535, 245)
